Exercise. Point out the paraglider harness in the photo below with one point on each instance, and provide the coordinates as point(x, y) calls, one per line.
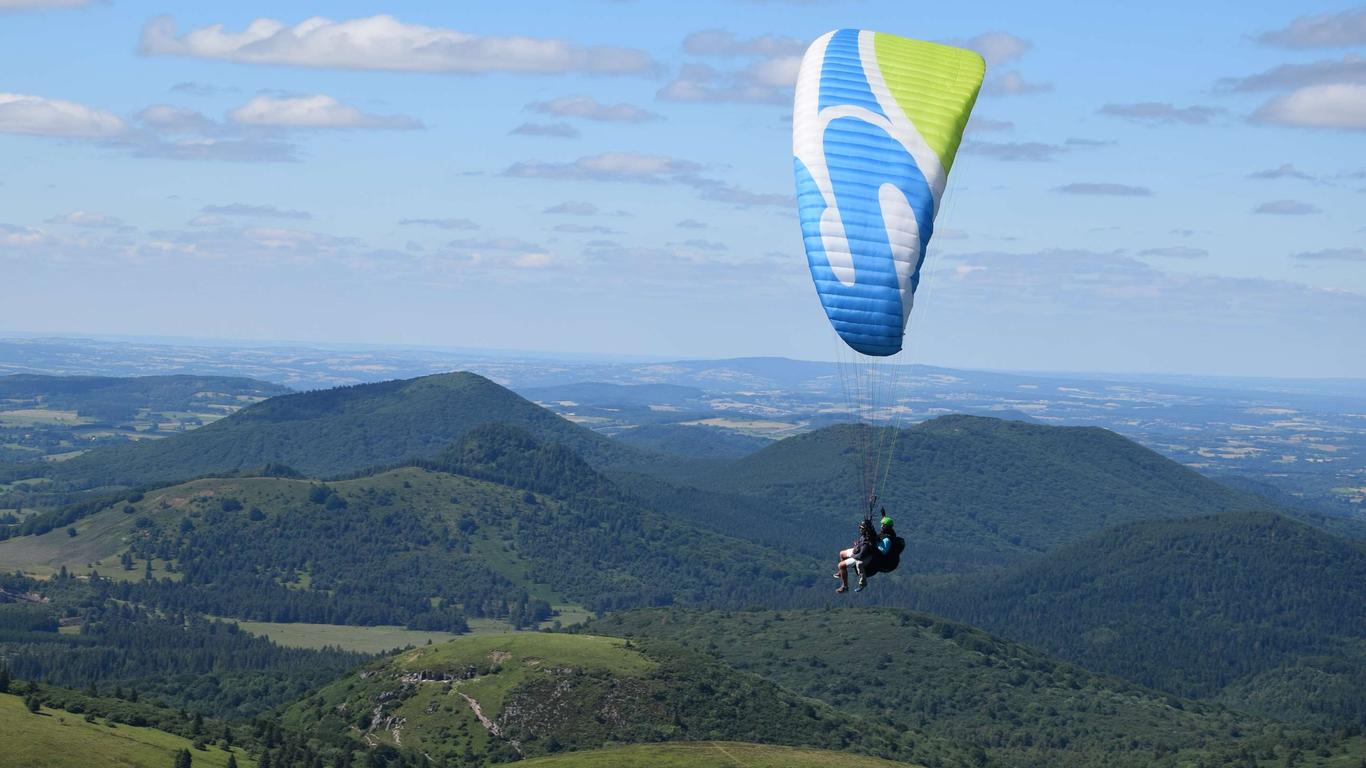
point(866, 549)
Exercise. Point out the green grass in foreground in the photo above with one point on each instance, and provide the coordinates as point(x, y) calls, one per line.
point(708, 754)
point(58, 739)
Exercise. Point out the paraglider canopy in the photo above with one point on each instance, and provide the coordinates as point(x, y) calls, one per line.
point(876, 124)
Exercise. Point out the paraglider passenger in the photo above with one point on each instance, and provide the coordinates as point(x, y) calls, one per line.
point(873, 553)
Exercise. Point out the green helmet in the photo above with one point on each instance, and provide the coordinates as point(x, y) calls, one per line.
point(886, 522)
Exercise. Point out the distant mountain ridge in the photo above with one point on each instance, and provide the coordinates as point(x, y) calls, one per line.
point(336, 431)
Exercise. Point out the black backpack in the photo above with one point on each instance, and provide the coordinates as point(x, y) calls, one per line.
point(893, 558)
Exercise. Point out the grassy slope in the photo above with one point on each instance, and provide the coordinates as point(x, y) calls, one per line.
point(335, 431)
point(547, 692)
point(709, 754)
point(57, 739)
point(952, 681)
point(968, 490)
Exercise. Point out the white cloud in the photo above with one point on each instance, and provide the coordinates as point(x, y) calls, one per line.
point(315, 111)
point(384, 43)
point(589, 108)
point(1286, 208)
point(1341, 106)
point(1328, 30)
point(39, 116)
point(1162, 112)
point(1103, 188)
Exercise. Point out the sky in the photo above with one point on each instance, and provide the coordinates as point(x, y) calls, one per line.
point(1160, 188)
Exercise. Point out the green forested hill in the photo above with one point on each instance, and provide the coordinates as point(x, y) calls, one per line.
point(970, 491)
point(341, 430)
point(497, 697)
point(416, 545)
point(1011, 705)
point(1270, 606)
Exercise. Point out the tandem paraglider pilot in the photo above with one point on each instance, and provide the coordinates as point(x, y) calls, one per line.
point(874, 552)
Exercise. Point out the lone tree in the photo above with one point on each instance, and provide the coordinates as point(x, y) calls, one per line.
point(5, 679)
point(183, 759)
point(33, 703)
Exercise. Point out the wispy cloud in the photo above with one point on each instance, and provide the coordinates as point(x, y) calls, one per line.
point(1175, 252)
point(191, 88)
point(256, 211)
point(314, 111)
point(645, 169)
point(589, 108)
point(1283, 171)
point(556, 130)
point(764, 82)
point(722, 43)
point(609, 166)
point(89, 220)
point(1012, 83)
point(19, 5)
point(987, 125)
point(585, 229)
point(439, 223)
point(1156, 112)
point(766, 78)
point(573, 208)
point(1103, 188)
point(1286, 208)
point(997, 48)
point(1328, 30)
point(1027, 151)
point(1349, 69)
point(385, 43)
point(1333, 254)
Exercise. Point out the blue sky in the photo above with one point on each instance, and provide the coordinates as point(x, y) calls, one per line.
point(1172, 187)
